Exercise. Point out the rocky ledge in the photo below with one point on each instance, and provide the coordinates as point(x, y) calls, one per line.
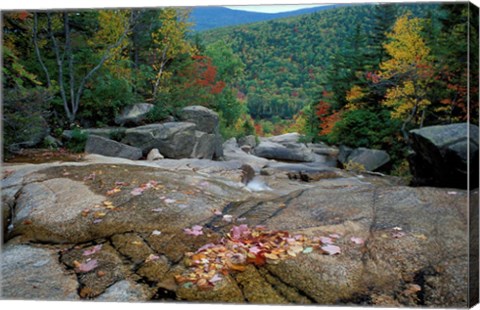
point(111, 229)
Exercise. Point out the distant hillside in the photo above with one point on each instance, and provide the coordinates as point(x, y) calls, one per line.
point(205, 18)
point(287, 59)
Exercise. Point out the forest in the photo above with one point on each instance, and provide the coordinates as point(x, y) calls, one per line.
point(361, 75)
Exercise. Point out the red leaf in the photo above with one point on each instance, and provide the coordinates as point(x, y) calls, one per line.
point(88, 266)
point(331, 249)
point(93, 250)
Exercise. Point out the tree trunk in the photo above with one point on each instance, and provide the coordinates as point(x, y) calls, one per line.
point(37, 50)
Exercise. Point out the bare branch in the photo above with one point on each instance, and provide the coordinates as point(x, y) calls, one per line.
point(60, 67)
point(37, 50)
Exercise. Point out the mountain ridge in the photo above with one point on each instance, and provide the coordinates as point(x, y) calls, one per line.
point(213, 17)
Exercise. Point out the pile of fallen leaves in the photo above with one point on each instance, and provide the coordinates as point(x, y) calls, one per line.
point(244, 245)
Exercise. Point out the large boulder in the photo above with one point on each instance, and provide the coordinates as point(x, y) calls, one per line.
point(442, 155)
point(284, 152)
point(284, 139)
point(133, 114)
point(103, 146)
point(205, 119)
point(370, 159)
point(208, 122)
point(173, 140)
point(106, 132)
point(204, 147)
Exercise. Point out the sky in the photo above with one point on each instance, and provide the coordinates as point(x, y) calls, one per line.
point(271, 8)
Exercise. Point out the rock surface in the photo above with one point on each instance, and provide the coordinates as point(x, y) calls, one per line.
point(205, 119)
point(250, 141)
point(133, 115)
point(442, 154)
point(370, 159)
point(284, 152)
point(154, 154)
point(34, 273)
point(173, 140)
point(103, 146)
point(413, 248)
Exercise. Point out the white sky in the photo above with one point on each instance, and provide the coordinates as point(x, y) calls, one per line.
point(271, 8)
point(46, 4)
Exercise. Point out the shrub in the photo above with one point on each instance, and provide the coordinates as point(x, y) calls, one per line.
point(77, 142)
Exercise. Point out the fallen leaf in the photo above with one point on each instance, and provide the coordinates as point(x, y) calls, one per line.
point(307, 250)
point(227, 218)
point(271, 256)
point(27, 222)
point(151, 258)
point(216, 278)
point(357, 240)
point(398, 235)
point(107, 203)
point(76, 264)
point(157, 210)
point(99, 214)
point(331, 249)
point(216, 212)
point(113, 191)
point(119, 183)
point(168, 200)
point(412, 289)
point(96, 221)
point(85, 212)
point(136, 242)
point(194, 231)
point(101, 273)
point(93, 250)
point(326, 240)
point(88, 266)
point(335, 236)
point(137, 191)
point(156, 233)
point(255, 250)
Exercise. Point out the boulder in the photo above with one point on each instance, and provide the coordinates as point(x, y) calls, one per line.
point(323, 149)
point(442, 154)
point(154, 154)
point(34, 273)
point(204, 147)
point(133, 114)
point(370, 159)
point(173, 140)
point(52, 142)
point(218, 153)
point(250, 141)
point(284, 152)
point(285, 138)
point(205, 119)
point(103, 146)
point(107, 132)
point(232, 152)
point(343, 153)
